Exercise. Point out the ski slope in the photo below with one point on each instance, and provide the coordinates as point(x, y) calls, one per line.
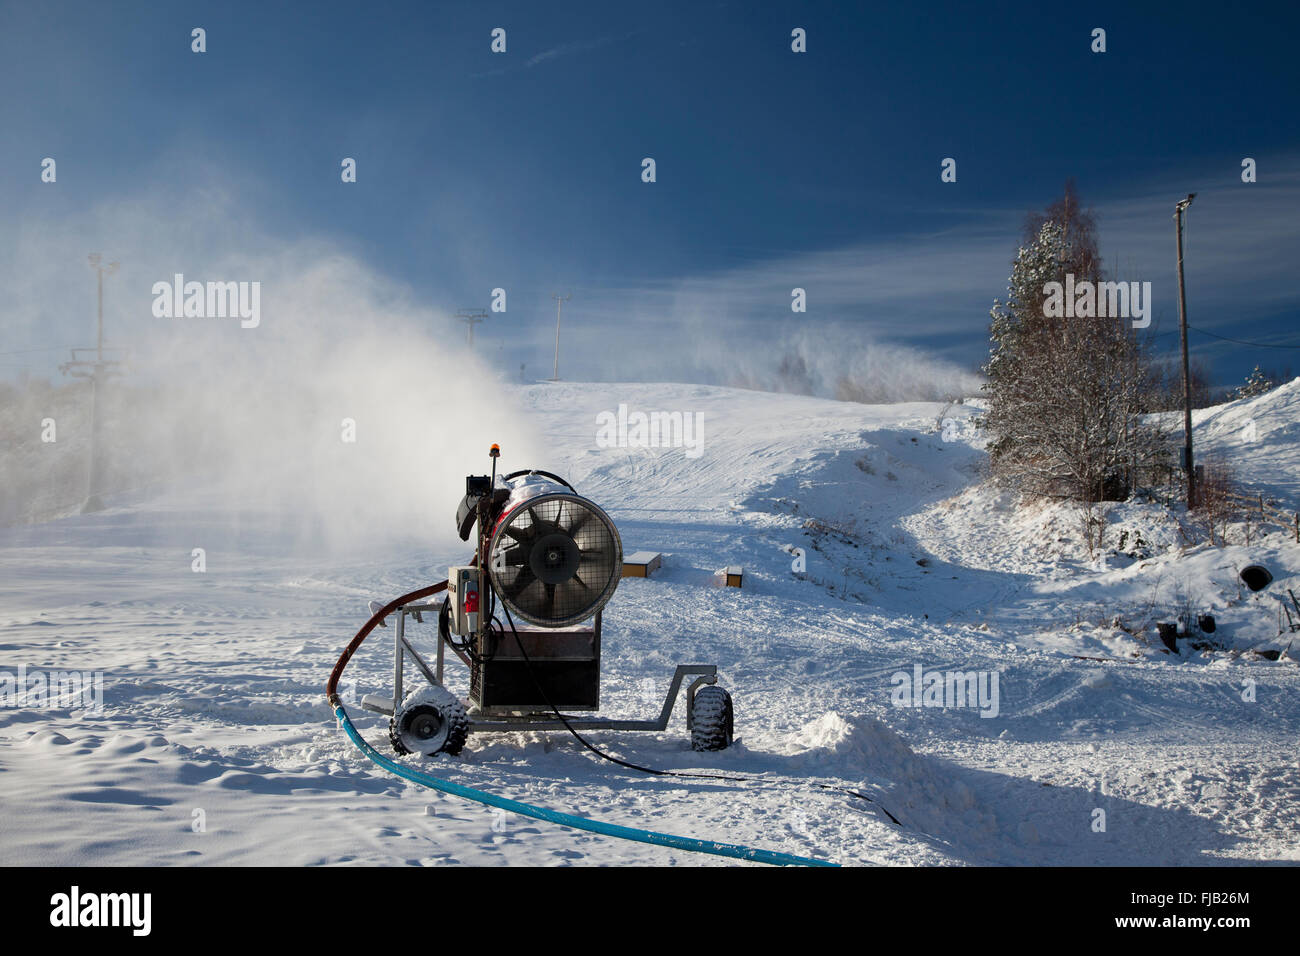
point(216, 746)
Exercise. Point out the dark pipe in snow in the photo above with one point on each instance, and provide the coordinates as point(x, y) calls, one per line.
point(1256, 577)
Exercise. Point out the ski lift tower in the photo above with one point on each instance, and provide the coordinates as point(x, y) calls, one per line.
point(471, 318)
point(97, 369)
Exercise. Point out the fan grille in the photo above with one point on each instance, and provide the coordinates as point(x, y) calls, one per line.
point(556, 559)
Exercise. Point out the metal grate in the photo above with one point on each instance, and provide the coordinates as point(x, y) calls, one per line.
point(556, 560)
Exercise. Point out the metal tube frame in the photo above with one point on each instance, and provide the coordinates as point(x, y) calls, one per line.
point(704, 674)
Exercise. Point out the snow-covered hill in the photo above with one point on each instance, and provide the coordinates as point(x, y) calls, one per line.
point(871, 548)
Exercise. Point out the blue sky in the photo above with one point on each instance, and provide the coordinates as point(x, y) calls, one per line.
point(774, 169)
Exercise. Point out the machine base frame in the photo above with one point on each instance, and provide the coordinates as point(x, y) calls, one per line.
point(542, 720)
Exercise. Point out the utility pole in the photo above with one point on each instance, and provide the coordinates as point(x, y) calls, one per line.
point(555, 374)
point(471, 318)
point(96, 370)
point(1188, 462)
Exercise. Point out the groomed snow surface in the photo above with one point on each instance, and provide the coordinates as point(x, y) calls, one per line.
point(215, 744)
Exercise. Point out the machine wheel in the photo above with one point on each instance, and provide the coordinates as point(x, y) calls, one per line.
point(712, 719)
point(430, 721)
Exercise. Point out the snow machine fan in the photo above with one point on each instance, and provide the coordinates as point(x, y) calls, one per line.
point(554, 557)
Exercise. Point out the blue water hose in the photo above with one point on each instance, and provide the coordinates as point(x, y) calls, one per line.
point(568, 820)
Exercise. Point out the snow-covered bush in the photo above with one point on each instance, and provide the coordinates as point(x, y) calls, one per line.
point(1257, 383)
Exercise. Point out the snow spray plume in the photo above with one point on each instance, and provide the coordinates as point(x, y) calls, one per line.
point(348, 415)
point(828, 360)
point(855, 369)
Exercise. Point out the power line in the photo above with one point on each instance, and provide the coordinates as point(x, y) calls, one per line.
point(1258, 345)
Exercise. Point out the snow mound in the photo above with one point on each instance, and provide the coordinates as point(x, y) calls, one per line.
point(45, 739)
point(925, 795)
point(851, 743)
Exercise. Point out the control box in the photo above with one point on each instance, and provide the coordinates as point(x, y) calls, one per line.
point(463, 596)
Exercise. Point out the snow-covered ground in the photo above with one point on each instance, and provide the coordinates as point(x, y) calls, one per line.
point(215, 744)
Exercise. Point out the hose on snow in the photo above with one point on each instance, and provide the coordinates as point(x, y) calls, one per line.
point(690, 844)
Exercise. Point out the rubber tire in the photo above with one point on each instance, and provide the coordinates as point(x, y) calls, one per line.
point(450, 711)
point(712, 719)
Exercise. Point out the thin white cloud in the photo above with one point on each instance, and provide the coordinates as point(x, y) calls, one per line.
point(556, 52)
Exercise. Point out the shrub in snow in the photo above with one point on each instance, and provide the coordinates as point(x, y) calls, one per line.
point(1257, 383)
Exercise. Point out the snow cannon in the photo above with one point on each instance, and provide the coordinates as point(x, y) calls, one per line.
point(524, 616)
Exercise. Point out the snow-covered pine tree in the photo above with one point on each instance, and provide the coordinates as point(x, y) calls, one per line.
point(1013, 329)
point(1064, 393)
point(1257, 383)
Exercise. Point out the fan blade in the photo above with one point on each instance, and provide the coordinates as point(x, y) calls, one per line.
point(578, 578)
point(520, 536)
point(521, 583)
point(515, 557)
point(575, 594)
point(578, 523)
point(550, 599)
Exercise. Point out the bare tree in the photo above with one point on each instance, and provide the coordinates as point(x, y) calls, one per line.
point(1163, 386)
point(1216, 493)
